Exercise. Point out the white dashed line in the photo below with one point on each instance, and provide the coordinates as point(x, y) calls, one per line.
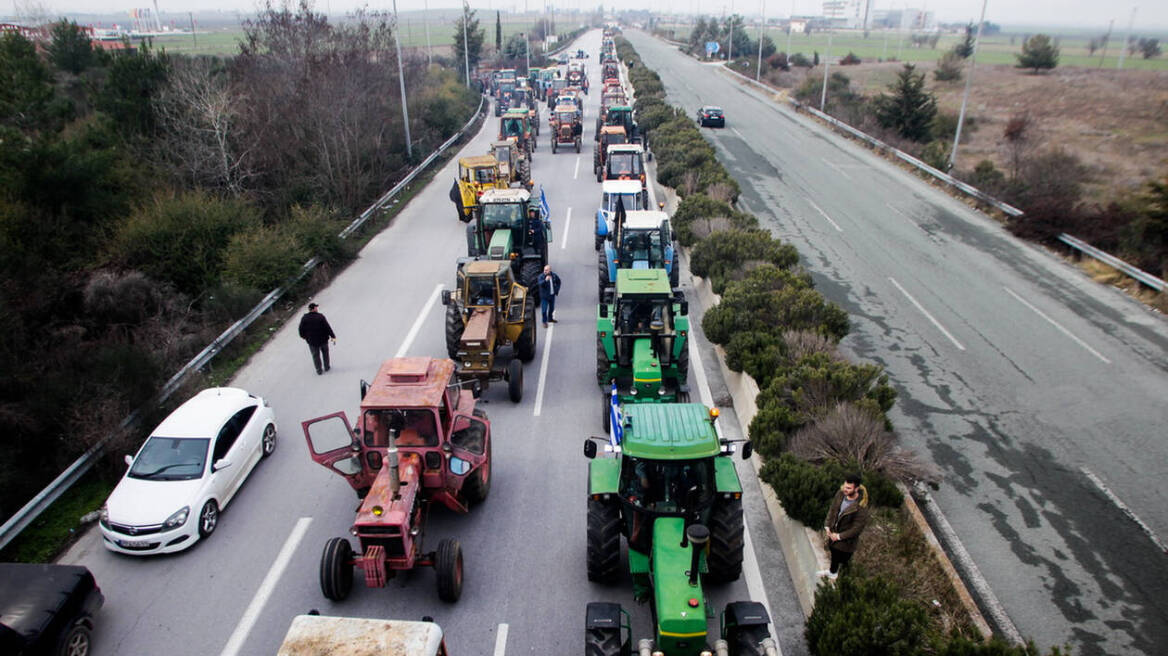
point(902, 213)
point(1057, 325)
point(833, 223)
point(418, 322)
point(543, 367)
point(1123, 507)
point(576, 173)
point(837, 168)
point(567, 223)
point(735, 131)
point(501, 641)
point(927, 315)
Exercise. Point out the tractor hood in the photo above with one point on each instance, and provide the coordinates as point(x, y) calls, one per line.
point(646, 368)
point(501, 245)
point(681, 608)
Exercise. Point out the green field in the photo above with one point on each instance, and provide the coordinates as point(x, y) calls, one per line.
point(998, 49)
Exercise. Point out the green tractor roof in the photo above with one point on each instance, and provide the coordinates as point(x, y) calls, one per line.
point(649, 282)
point(669, 431)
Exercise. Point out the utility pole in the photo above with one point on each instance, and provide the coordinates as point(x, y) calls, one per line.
point(1106, 40)
point(826, 68)
point(429, 50)
point(465, 43)
point(968, 82)
point(789, 30)
point(401, 79)
point(194, 38)
point(761, 27)
point(1123, 46)
point(730, 56)
point(527, 50)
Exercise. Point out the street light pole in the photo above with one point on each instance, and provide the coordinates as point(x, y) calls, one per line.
point(761, 27)
point(402, 82)
point(1123, 46)
point(789, 19)
point(426, 20)
point(965, 95)
point(826, 68)
point(527, 50)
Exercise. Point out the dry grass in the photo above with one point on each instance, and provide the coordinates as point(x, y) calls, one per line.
point(850, 433)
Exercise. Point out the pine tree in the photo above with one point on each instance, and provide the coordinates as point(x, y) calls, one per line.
point(1038, 52)
point(964, 49)
point(909, 109)
point(70, 49)
point(498, 32)
point(474, 37)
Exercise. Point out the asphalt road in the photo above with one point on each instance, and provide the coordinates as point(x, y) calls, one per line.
point(1040, 394)
point(525, 585)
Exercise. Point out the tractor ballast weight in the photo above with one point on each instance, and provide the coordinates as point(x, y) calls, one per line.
point(487, 312)
point(418, 439)
point(639, 239)
point(507, 226)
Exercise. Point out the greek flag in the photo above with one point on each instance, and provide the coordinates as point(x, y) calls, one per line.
point(616, 419)
point(545, 212)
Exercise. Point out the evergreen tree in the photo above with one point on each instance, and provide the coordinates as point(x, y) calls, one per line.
point(472, 50)
point(498, 32)
point(1038, 52)
point(909, 108)
point(26, 85)
point(964, 49)
point(69, 49)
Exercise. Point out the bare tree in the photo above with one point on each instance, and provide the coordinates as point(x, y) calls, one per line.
point(850, 433)
point(1020, 141)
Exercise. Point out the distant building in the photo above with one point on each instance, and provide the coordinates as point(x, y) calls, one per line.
point(903, 19)
point(844, 13)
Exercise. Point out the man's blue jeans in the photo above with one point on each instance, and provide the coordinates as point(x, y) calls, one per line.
point(547, 306)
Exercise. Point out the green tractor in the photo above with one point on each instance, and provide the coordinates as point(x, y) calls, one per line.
point(507, 226)
point(668, 485)
point(642, 340)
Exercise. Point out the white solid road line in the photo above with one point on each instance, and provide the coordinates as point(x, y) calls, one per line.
point(418, 322)
point(927, 315)
point(576, 173)
point(543, 367)
point(501, 640)
point(838, 169)
point(567, 224)
point(833, 223)
point(275, 573)
point(906, 216)
point(735, 131)
point(1056, 325)
point(1123, 507)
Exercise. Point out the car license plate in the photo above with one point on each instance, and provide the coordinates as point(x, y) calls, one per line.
point(133, 544)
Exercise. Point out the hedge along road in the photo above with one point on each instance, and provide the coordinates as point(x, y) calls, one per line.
point(1038, 393)
point(525, 587)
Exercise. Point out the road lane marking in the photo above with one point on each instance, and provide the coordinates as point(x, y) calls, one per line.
point(418, 322)
point(501, 640)
point(576, 173)
point(837, 168)
point(275, 574)
point(927, 315)
point(567, 223)
point(543, 367)
point(833, 223)
point(735, 131)
point(1056, 325)
point(1123, 507)
point(906, 216)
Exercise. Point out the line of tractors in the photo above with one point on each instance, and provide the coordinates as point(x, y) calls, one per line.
point(663, 479)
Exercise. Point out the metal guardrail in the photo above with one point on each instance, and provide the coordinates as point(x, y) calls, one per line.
point(1110, 260)
point(31, 510)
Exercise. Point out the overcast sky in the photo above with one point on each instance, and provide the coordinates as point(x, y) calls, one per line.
point(1088, 13)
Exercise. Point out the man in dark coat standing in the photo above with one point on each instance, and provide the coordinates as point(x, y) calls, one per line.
point(845, 521)
point(549, 286)
point(315, 330)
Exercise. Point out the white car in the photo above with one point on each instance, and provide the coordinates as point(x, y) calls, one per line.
point(187, 471)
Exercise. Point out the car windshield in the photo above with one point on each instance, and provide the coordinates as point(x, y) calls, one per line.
point(631, 202)
point(171, 459)
point(416, 427)
point(503, 154)
point(665, 485)
point(485, 175)
point(713, 111)
point(502, 215)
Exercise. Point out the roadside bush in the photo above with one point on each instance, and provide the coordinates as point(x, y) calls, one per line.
point(851, 59)
point(699, 208)
point(263, 258)
point(985, 177)
point(729, 254)
point(315, 229)
point(949, 67)
point(865, 615)
point(801, 488)
point(936, 154)
point(755, 352)
point(800, 60)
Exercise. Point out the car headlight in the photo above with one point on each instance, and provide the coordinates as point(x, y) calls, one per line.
point(177, 519)
point(104, 516)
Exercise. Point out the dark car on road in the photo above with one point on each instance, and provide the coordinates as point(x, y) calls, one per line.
point(47, 610)
point(711, 116)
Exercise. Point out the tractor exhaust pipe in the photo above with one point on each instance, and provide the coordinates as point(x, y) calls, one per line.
point(697, 535)
point(394, 474)
point(645, 647)
point(721, 648)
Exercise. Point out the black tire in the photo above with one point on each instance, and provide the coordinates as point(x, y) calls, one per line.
point(525, 348)
point(602, 365)
point(208, 518)
point(74, 641)
point(602, 642)
point(598, 242)
point(596, 135)
point(454, 328)
point(268, 440)
point(336, 569)
point(604, 532)
point(683, 364)
point(675, 272)
point(448, 565)
point(472, 238)
point(606, 412)
point(748, 641)
point(476, 488)
point(529, 278)
point(596, 159)
point(726, 541)
point(515, 380)
point(602, 274)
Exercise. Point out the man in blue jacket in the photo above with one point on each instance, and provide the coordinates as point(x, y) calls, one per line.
point(549, 287)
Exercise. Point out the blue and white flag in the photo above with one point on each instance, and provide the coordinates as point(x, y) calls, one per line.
point(545, 212)
point(615, 419)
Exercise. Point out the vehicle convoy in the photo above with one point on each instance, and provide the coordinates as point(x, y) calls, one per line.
point(639, 239)
point(667, 484)
point(625, 162)
point(319, 635)
point(516, 124)
point(642, 333)
point(187, 471)
point(475, 175)
point(617, 194)
point(567, 128)
point(485, 313)
point(609, 135)
point(514, 166)
point(507, 227)
point(47, 610)
point(418, 439)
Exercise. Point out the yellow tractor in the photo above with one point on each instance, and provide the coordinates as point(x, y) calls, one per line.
point(475, 175)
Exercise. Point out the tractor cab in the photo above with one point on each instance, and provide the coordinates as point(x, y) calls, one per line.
point(640, 239)
point(509, 228)
point(516, 124)
point(475, 175)
point(623, 115)
point(609, 135)
point(642, 332)
point(622, 194)
point(625, 162)
point(513, 167)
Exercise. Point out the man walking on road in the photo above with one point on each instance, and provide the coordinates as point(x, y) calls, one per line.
point(315, 330)
point(845, 521)
point(549, 287)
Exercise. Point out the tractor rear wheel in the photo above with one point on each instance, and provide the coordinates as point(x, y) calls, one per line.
point(726, 541)
point(477, 487)
point(515, 380)
point(602, 642)
point(525, 172)
point(604, 533)
point(596, 159)
point(529, 278)
point(675, 272)
point(525, 348)
point(454, 328)
point(602, 366)
point(336, 569)
point(683, 364)
point(602, 274)
point(748, 642)
point(448, 564)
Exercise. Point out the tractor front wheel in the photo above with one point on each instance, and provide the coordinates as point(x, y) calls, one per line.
point(602, 274)
point(515, 380)
point(525, 348)
point(606, 412)
point(336, 569)
point(478, 486)
point(454, 328)
point(529, 278)
point(726, 541)
point(604, 522)
point(448, 564)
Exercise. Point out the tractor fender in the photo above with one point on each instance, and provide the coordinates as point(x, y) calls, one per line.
point(601, 224)
point(726, 477)
point(669, 259)
point(603, 615)
point(604, 475)
point(610, 258)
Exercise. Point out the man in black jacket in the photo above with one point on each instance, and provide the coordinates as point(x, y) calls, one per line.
point(845, 521)
point(315, 330)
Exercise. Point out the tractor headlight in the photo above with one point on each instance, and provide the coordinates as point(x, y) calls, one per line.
point(660, 391)
point(177, 519)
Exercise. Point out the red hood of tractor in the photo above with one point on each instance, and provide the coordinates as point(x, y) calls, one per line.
point(379, 508)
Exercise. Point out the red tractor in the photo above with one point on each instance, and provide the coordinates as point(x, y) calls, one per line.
point(418, 439)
